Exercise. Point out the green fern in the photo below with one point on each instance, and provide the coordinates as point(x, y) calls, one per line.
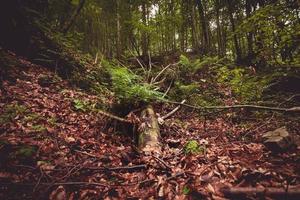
point(129, 87)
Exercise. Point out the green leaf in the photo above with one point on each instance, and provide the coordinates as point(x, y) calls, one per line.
point(186, 190)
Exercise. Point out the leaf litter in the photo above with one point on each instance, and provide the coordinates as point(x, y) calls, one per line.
point(52, 151)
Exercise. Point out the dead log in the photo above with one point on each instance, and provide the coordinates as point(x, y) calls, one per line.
point(290, 193)
point(148, 132)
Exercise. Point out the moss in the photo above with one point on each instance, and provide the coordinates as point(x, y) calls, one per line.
point(193, 147)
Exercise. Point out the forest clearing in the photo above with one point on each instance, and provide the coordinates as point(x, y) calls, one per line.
point(150, 99)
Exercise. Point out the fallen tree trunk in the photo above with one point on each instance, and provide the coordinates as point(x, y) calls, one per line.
point(148, 132)
point(290, 193)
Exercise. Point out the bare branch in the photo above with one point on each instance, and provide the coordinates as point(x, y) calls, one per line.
point(162, 71)
point(173, 111)
point(278, 109)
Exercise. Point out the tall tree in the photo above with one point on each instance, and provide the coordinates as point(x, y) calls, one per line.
point(69, 23)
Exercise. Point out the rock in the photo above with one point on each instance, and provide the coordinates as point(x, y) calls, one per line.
point(277, 140)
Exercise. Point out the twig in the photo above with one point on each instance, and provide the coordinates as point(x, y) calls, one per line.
point(161, 72)
point(173, 111)
point(133, 167)
point(86, 153)
point(113, 116)
point(167, 91)
point(56, 184)
point(141, 65)
point(163, 162)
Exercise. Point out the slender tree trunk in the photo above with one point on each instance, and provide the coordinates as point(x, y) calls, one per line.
point(204, 26)
point(235, 39)
point(69, 23)
point(182, 25)
point(193, 28)
point(118, 45)
point(221, 51)
point(250, 34)
point(144, 33)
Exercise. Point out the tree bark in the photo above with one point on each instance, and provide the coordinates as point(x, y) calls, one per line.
point(69, 24)
point(250, 34)
point(204, 25)
point(235, 39)
point(118, 45)
point(144, 33)
point(221, 51)
point(149, 133)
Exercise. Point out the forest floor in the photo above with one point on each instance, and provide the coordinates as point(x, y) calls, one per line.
point(51, 148)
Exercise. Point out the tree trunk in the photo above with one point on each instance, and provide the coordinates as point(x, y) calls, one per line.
point(118, 45)
point(144, 33)
point(69, 24)
point(235, 39)
point(149, 133)
point(250, 34)
point(221, 51)
point(204, 25)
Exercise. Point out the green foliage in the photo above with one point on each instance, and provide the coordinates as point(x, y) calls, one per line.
point(32, 117)
point(186, 190)
point(11, 111)
point(80, 105)
point(189, 67)
point(193, 147)
point(38, 128)
point(246, 87)
point(184, 90)
point(278, 29)
point(25, 152)
point(129, 87)
point(52, 121)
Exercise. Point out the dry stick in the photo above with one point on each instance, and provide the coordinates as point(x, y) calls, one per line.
point(118, 168)
point(290, 192)
point(161, 72)
point(142, 166)
point(173, 111)
point(113, 116)
point(167, 91)
point(142, 66)
point(57, 184)
point(88, 154)
point(163, 162)
point(278, 109)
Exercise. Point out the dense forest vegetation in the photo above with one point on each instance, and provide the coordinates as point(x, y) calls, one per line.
point(149, 99)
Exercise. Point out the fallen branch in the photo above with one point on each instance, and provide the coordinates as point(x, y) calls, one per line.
point(162, 162)
point(161, 72)
point(113, 116)
point(53, 184)
point(275, 192)
point(173, 111)
point(278, 109)
point(133, 167)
